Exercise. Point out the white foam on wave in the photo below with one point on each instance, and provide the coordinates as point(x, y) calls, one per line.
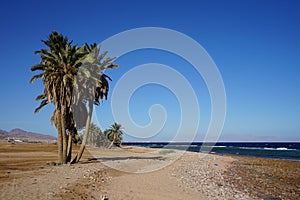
point(257, 148)
point(279, 148)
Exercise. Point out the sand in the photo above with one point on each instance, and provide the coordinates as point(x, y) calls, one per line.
point(140, 173)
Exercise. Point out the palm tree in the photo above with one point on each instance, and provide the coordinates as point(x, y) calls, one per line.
point(59, 66)
point(114, 134)
point(71, 75)
point(96, 137)
point(91, 87)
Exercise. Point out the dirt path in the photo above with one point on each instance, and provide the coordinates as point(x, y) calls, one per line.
point(157, 184)
point(154, 185)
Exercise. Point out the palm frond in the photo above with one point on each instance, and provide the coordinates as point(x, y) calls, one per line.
point(36, 77)
point(102, 56)
point(39, 66)
point(43, 103)
point(40, 97)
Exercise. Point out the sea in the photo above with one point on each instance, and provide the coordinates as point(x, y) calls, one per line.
point(275, 150)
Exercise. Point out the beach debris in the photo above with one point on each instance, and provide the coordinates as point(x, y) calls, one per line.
point(212, 184)
point(104, 197)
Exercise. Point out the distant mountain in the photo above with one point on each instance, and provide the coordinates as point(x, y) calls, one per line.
point(3, 131)
point(19, 134)
point(3, 134)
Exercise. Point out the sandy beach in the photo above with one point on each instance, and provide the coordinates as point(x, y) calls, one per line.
point(141, 173)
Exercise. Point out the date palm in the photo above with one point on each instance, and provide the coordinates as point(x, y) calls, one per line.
point(71, 76)
point(114, 134)
point(59, 66)
point(91, 86)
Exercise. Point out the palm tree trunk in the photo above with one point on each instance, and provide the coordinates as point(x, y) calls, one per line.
point(114, 139)
point(65, 147)
point(111, 144)
point(70, 142)
point(64, 137)
point(69, 121)
point(59, 138)
point(85, 135)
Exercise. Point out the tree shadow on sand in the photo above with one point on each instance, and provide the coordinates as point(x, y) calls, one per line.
point(160, 158)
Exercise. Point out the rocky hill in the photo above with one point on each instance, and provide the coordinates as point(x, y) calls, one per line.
point(21, 135)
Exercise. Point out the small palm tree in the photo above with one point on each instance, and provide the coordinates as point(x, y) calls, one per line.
point(114, 134)
point(96, 137)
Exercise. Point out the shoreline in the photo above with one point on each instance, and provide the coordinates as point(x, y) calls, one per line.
point(246, 156)
point(273, 150)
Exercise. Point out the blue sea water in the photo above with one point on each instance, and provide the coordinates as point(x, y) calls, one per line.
point(276, 150)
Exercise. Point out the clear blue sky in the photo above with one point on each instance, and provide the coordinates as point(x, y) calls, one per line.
point(255, 44)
